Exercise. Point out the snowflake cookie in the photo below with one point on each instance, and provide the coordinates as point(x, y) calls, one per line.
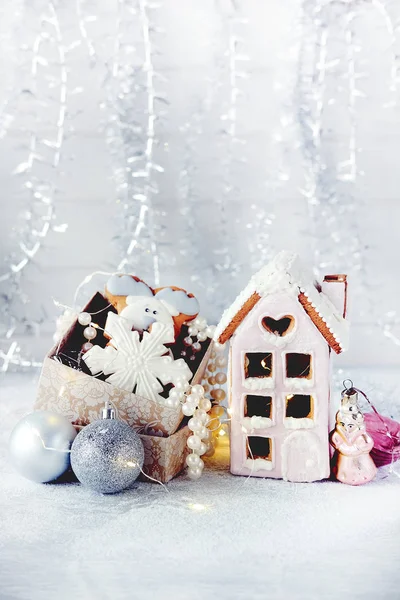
point(138, 365)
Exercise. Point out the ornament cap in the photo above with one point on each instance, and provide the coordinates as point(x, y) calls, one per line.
point(108, 412)
point(349, 394)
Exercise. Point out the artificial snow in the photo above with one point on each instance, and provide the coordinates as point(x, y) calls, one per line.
point(223, 537)
point(256, 422)
point(259, 383)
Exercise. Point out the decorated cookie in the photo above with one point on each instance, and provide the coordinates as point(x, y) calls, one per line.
point(143, 311)
point(139, 364)
point(142, 306)
point(119, 286)
point(185, 306)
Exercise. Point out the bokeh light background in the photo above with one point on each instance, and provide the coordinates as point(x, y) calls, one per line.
point(187, 142)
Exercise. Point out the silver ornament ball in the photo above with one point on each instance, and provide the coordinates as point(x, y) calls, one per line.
point(107, 456)
point(39, 446)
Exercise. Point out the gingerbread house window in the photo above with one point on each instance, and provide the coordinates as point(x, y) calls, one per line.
point(299, 411)
point(258, 364)
point(258, 406)
point(298, 365)
point(259, 447)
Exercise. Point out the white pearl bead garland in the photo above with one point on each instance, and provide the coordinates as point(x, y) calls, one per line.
point(89, 333)
point(216, 378)
point(194, 407)
point(84, 319)
point(198, 328)
point(86, 347)
point(205, 418)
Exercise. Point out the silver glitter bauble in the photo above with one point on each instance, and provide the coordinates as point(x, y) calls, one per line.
point(107, 456)
point(39, 446)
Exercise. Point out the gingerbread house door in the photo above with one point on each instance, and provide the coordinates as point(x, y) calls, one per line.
point(303, 458)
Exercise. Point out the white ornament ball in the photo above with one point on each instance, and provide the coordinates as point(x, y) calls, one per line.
point(40, 445)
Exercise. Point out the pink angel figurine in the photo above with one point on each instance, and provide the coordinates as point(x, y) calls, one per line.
point(354, 465)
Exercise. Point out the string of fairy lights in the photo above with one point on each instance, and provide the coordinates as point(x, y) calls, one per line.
point(326, 44)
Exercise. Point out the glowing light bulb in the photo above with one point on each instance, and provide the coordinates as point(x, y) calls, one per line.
point(197, 507)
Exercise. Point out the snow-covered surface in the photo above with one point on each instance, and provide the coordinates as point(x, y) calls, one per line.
point(286, 273)
point(222, 537)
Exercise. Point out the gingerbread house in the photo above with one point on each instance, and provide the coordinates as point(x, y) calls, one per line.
point(282, 328)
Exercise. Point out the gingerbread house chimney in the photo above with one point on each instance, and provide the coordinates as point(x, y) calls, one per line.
point(335, 288)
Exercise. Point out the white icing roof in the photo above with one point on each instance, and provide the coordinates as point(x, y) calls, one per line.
point(285, 273)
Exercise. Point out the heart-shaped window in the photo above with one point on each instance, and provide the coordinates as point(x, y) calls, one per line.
point(280, 327)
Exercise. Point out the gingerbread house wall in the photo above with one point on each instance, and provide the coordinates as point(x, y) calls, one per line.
point(300, 452)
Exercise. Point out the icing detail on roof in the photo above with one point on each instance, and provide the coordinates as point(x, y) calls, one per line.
point(285, 273)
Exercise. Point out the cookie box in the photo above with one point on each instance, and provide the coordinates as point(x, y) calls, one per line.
point(67, 387)
point(164, 457)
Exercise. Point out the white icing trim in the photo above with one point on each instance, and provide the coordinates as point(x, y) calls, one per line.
point(298, 383)
point(255, 422)
point(285, 274)
point(293, 423)
point(277, 340)
point(259, 383)
point(258, 464)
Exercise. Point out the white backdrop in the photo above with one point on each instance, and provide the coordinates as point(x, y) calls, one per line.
point(187, 142)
